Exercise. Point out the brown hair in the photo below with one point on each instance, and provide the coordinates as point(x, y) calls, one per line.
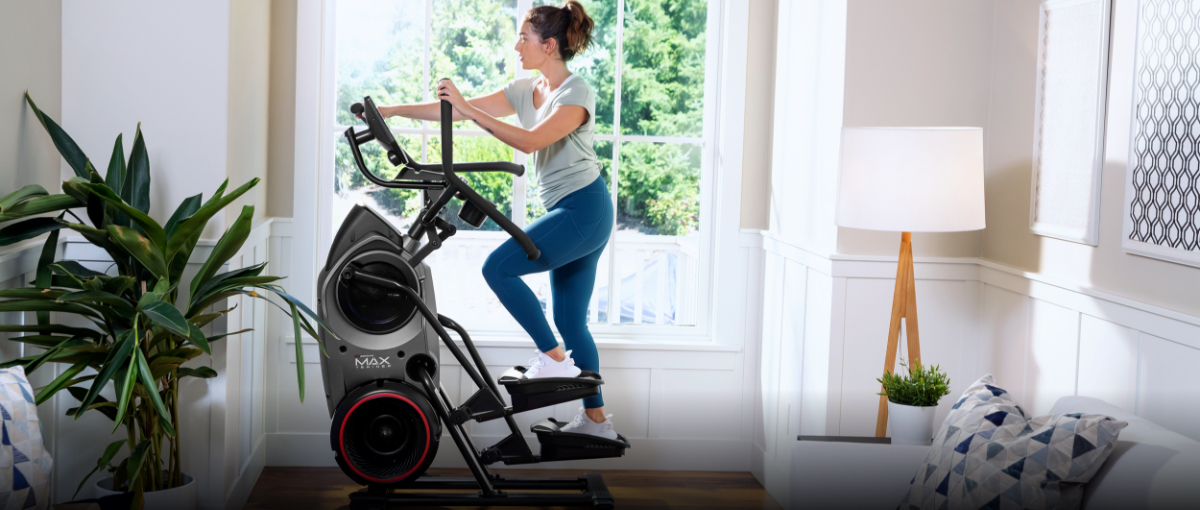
point(569, 25)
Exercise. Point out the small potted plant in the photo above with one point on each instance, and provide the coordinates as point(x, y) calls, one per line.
point(912, 401)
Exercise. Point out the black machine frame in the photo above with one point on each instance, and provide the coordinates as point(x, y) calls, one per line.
point(485, 404)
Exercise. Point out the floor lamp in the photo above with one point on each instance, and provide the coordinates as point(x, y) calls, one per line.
point(908, 180)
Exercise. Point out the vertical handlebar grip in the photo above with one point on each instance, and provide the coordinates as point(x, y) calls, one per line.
point(447, 143)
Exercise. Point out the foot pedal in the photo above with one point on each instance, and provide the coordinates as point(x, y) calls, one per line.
point(559, 445)
point(530, 394)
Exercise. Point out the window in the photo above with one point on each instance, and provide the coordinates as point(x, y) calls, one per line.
point(650, 140)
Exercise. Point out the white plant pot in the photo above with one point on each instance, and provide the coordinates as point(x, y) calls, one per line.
point(178, 498)
point(911, 424)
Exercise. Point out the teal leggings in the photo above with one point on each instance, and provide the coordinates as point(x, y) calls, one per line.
point(571, 236)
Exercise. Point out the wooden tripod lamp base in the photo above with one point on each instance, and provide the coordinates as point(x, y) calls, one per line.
point(904, 305)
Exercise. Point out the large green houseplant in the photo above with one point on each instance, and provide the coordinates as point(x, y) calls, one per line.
point(138, 324)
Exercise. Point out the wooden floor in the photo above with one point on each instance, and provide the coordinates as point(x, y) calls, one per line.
point(327, 488)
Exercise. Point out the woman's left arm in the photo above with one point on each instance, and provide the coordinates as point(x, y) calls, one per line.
point(558, 125)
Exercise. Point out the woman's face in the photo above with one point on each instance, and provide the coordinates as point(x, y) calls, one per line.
point(532, 51)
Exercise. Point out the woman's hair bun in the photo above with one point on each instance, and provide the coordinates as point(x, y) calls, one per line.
point(569, 25)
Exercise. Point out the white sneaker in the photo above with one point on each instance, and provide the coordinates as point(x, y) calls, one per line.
point(584, 425)
point(542, 366)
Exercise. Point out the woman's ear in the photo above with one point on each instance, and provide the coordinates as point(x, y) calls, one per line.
point(551, 46)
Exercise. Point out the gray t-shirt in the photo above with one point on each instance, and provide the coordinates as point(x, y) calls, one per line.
point(569, 164)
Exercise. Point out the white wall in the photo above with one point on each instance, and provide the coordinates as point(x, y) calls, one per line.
point(163, 64)
point(760, 102)
point(809, 76)
point(932, 69)
point(1007, 240)
point(248, 102)
point(30, 56)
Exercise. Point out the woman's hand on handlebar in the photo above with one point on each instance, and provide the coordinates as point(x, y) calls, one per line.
point(447, 91)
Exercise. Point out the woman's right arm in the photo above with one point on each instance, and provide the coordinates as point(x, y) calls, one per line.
point(495, 104)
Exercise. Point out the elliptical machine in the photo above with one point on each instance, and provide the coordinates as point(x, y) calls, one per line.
point(381, 377)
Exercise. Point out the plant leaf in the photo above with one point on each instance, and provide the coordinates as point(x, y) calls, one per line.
point(198, 339)
point(115, 177)
point(117, 356)
point(123, 382)
point(40, 205)
point(102, 404)
point(136, 459)
point(50, 328)
point(21, 195)
point(58, 383)
point(118, 303)
point(151, 228)
point(51, 352)
point(73, 268)
point(186, 209)
point(109, 453)
point(66, 146)
point(40, 305)
point(27, 229)
point(299, 350)
point(136, 190)
point(210, 300)
point(230, 243)
point(188, 231)
point(292, 299)
point(201, 372)
point(149, 382)
point(166, 316)
point(30, 293)
point(141, 248)
point(214, 338)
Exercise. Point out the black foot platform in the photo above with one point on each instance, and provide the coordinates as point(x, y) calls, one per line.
point(592, 492)
point(559, 445)
point(530, 394)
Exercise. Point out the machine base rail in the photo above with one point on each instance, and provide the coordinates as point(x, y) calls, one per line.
point(592, 493)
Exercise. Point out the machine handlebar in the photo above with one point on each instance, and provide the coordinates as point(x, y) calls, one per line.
point(453, 185)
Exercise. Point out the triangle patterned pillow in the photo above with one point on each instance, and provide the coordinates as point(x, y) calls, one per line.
point(24, 463)
point(989, 454)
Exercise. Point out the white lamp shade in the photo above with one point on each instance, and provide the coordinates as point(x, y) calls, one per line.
point(908, 179)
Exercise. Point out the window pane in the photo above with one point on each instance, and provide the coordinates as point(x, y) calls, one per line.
point(662, 86)
point(473, 44)
point(494, 186)
point(596, 64)
point(380, 48)
point(399, 206)
point(659, 188)
point(657, 242)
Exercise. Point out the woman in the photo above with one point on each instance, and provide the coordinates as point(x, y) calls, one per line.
point(556, 111)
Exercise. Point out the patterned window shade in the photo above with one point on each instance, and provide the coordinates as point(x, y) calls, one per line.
point(1069, 122)
point(1162, 195)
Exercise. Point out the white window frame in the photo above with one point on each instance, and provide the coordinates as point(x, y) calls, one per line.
point(722, 285)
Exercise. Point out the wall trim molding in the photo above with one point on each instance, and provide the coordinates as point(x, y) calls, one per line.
point(975, 269)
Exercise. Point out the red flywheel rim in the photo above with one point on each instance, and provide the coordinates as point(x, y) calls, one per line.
point(342, 438)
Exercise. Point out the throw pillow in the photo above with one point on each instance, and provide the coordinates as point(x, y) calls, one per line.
point(24, 464)
point(989, 454)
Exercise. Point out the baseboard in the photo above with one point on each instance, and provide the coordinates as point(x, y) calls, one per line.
point(237, 496)
point(646, 453)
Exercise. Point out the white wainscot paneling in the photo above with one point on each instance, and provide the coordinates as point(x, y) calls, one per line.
point(1108, 362)
point(943, 316)
point(1004, 338)
point(1167, 390)
point(1053, 356)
